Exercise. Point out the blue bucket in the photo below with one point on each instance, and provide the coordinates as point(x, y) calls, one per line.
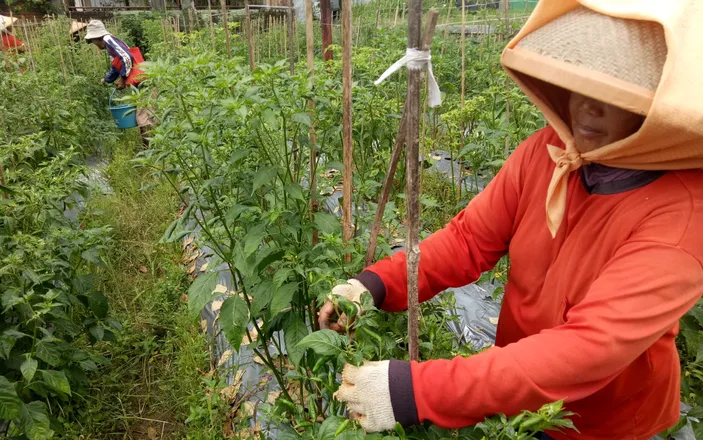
point(124, 115)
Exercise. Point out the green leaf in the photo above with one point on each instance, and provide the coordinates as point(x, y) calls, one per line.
point(329, 427)
point(234, 318)
point(295, 191)
point(168, 234)
point(28, 368)
point(263, 293)
point(10, 404)
point(253, 240)
point(98, 304)
point(7, 341)
point(34, 422)
point(98, 332)
point(50, 353)
point(283, 298)
point(302, 118)
point(263, 176)
point(323, 342)
point(281, 276)
point(294, 331)
point(56, 380)
point(327, 223)
point(200, 292)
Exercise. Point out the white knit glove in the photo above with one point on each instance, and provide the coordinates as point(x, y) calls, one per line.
point(351, 291)
point(366, 392)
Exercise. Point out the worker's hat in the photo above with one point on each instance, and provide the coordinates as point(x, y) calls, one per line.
point(77, 26)
point(614, 60)
point(6, 22)
point(96, 29)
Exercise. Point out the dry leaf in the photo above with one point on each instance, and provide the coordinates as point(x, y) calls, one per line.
point(203, 325)
point(190, 258)
point(220, 288)
point(248, 433)
point(191, 269)
point(241, 295)
point(152, 433)
point(143, 269)
point(493, 320)
point(229, 393)
point(215, 306)
point(293, 389)
point(184, 297)
point(203, 268)
point(258, 360)
point(224, 358)
point(273, 395)
point(246, 410)
point(188, 241)
point(253, 336)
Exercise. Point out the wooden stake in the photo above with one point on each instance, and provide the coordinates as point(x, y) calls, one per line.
point(507, 80)
point(250, 37)
point(412, 190)
point(347, 228)
point(223, 5)
point(395, 19)
point(212, 25)
point(269, 34)
point(291, 34)
point(395, 155)
point(378, 16)
point(63, 64)
point(326, 25)
point(463, 91)
point(358, 29)
point(297, 41)
point(310, 52)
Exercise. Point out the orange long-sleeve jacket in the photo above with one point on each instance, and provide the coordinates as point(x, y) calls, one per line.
point(589, 316)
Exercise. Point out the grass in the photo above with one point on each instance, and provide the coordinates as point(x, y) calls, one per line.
point(155, 376)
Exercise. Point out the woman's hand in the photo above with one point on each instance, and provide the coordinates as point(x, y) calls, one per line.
point(327, 316)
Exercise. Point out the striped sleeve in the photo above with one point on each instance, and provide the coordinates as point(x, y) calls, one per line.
point(117, 48)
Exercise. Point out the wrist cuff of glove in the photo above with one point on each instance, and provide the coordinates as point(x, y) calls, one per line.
point(375, 286)
point(400, 384)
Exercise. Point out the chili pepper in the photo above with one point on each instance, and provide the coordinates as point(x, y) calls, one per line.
point(302, 425)
point(373, 334)
point(320, 362)
point(287, 403)
point(341, 428)
point(312, 408)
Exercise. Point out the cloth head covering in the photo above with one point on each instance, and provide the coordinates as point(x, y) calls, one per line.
point(76, 26)
point(639, 55)
point(6, 22)
point(96, 29)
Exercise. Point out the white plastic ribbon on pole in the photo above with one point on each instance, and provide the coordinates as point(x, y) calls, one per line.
point(416, 59)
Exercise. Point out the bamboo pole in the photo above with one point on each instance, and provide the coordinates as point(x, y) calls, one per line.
point(291, 34)
point(310, 54)
point(347, 228)
point(29, 45)
point(270, 29)
point(358, 29)
point(223, 5)
point(378, 16)
point(297, 41)
point(212, 25)
point(63, 64)
point(395, 19)
point(250, 37)
point(446, 25)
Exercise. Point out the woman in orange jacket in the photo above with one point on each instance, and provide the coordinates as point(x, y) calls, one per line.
point(9, 41)
point(600, 214)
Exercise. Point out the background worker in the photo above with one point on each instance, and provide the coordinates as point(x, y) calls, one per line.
point(9, 41)
point(75, 30)
point(598, 282)
point(116, 48)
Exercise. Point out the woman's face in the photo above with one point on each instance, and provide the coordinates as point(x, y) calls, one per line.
point(596, 124)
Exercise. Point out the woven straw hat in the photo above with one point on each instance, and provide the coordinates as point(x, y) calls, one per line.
point(76, 26)
point(614, 60)
point(96, 29)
